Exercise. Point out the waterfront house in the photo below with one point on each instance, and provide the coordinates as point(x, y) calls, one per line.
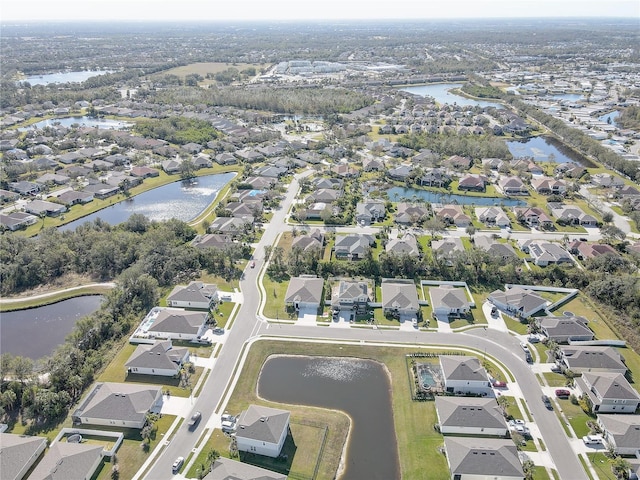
point(196, 295)
point(483, 458)
point(228, 469)
point(464, 375)
point(262, 430)
point(493, 216)
point(177, 324)
point(470, 416)
point(159, 358)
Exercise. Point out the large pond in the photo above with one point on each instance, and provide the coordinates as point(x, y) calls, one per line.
point(541, 149)
point(570, 97)
point(181, 200)
point(405, 194)
point(36, 332)
point(360, 388)
point(63, 77)
point(441, 93)
point(104, 123)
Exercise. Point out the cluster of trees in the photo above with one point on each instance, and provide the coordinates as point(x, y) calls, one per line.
point(474, 146)
point(102, 251)
point(180, 130)
point(629, 118)
point(310, 100)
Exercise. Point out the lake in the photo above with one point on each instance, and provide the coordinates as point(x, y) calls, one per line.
point(85, 121)
point(359, 388)
point(441, 94)
point(36, 332)
point(404, 194)
point(540, 148)
point(63, 77)
point(180, 200)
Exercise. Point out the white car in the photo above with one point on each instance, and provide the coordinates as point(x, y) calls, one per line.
point(592, 440)
point(516, 421)
point(228, 427)
point(525, 347)
point(177, 464)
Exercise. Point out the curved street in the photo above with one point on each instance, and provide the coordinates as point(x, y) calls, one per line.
point(249, 325)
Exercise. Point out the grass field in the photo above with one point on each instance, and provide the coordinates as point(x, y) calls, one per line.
point(417, 440)
point(203, 68)
point(57, 297)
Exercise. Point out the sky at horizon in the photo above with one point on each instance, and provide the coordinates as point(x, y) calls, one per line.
point(174, 10)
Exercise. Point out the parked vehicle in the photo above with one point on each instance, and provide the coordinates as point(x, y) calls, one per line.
point(547, 402)
point(563, 393)
point(499, 384)
point(193, 421)
point(494, 312)
point(592, 440)
point(228, 427)
point(516, 421)
point(225, 417)
point(556, 368)
point(175, 468)
point(525, 347)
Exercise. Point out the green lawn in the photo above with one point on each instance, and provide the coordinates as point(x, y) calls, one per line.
point(417, 440)
point(274, 303)
point(223, 313)
point(515, 325)
point(117, 372)
point(130, 456)
point(602, 466)
point(57, 297)
point(555, 379)
point(576, 416)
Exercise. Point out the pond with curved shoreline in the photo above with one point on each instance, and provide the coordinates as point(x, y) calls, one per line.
point(407, 194)
point(360, 388)
point(544, 149)
point(441, 93)
point(181, 200)
point(36, 332)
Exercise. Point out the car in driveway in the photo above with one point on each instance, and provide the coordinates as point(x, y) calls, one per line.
point(494, 312)
point(194, 420)
point(592, 440)
point(228, 426)
point(555, 368)
point(547, 402)
point(563, 393)
point(177, 465)
point(516, 421)
point(499, 384)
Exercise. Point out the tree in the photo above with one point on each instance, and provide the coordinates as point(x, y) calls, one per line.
point(528, 467)
point(471, 230)
point(435, 226)
point(611, 233)
point(607, 217)
point(620, 468)
point(187, 169)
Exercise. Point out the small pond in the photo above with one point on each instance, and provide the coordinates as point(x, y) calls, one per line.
point(441, 93)
point(85, 121)
point(610, 117)
point(569, 97)
point(405, 194)
point(63, 77)
point(181, 200)
point(36, 332)
point(360, 388)
point(541, 149)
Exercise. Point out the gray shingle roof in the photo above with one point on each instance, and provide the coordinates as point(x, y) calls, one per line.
point(66, 461)
point(462, 368)
point(16, 452)
point(611, 385)
point(624, 428)
point(158, 355)
point(118, 401)
point(304, 289)
point(593, 357)
point(194, 292)
point(227, 469)
point(449, 297)
point(178, 321)
point(487, 457)
point(397, 294)
point(470, 412)
point(262, 423)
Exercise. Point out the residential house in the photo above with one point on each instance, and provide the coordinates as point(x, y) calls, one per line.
point(621, 433)
point(496, 249)
point(352, 246)
point(213, 240)
point(448, 247)
point(101, 190)
point(549, 186)
point(565, 329)
point(448, 301)
point(225, 159)
point(457, 162)
point(350, 296)
point(434, 177)
point(123, 405)
point(261, 183)
point(587, 359)
point(400, 297)
point(470, 416)
point(262, 430)
point(608, 392)
point(234, 226)
point(606, 180)
point(493, 216)
point(144, 172)
point(228, 469)
point(7, 196)
point(175, 323)
point(464, 375)
point(328, 183)
point(533, 217)
point(171, 166)
point(570, 170)
point(400, 173)
point(545, 253)
point(326, 195)
point(42, 207)
point(492, 163)
point(573, 215)
point(517, 301)
point(52, 179)
point(271, 171)
point(473, 183)
point(25, 188)
point(409, 213)
point(370, 211)
point(17, 220)
point(73, 197)
point(64, 461)
point(452, 215)
point(585, 251)
point(159, 358)
point(405, 245)
point(314, 241)
point(512, 186)
point(483, 458)
point(373, 164)
point(195, 295)
point(304, 293)
point(18, 453)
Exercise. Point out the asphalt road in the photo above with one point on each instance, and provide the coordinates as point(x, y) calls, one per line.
point(247, 325)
